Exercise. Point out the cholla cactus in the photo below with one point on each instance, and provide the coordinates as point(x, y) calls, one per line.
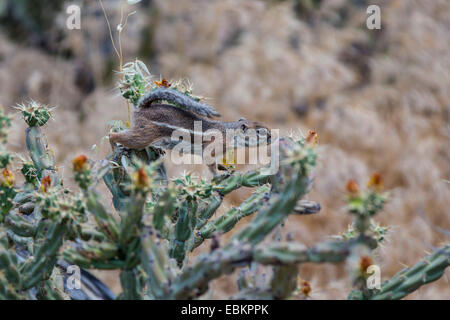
point(5, 122)
point(159, 222)
point(34, 113)
point(137, 80)
point(7, 191)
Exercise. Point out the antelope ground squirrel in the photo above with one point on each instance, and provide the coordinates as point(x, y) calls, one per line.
point(154, 123)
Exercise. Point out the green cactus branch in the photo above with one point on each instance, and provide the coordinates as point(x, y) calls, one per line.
point(228, 220)
point(20, 226)
point(212, 265)
point(409, 280)
point(284, 281)
point(279, 206)
point(45, 255)
point(10, 278)
point(237, 180)
point(160, 268)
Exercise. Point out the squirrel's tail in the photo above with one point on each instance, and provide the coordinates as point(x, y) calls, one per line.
point(179, 99)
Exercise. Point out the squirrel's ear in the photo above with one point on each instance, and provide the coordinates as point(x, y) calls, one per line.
point(242, 119)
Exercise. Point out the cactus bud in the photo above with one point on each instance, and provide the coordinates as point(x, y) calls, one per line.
point(80, 163)
point(352, 187)
point(35, 114)
point(304, 287)
point(364, 263)
point(312, 138)
point(29, 171)
point(82, 171)
point(7, 192)
point(46, 182)
point(7, 178)
point(141, 179)
point(375, 181)
point(163, 83)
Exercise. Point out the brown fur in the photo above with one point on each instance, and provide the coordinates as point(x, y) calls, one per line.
point(145, 132)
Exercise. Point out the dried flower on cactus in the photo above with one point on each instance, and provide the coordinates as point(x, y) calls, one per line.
point(46, 183)
point(7, 178)
point(141, 179)
point(163, 83)
point(303, 287)
point(352, 187)
point(312, 138)
point(364, 263)
point(80, 163)
point(375, 182)
point(82, 171)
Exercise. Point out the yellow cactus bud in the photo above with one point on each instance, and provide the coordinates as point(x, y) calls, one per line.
point(46, 182)
point(375, 181)
point(80, 163)
point(7, 178)
point(163, 83)
point(141, 179)
point(304, 287)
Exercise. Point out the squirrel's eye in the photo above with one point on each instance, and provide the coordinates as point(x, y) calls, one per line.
point(244, 127)
point(262, 132)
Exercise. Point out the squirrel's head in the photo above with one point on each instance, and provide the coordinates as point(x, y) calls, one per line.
point(252, 133)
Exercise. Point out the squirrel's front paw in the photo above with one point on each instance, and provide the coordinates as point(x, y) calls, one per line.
point(220, 177)
point(154, 152)
point(159, 151)
point(120, 150)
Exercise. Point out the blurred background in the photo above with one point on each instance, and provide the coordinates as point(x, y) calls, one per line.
point(379, 99)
